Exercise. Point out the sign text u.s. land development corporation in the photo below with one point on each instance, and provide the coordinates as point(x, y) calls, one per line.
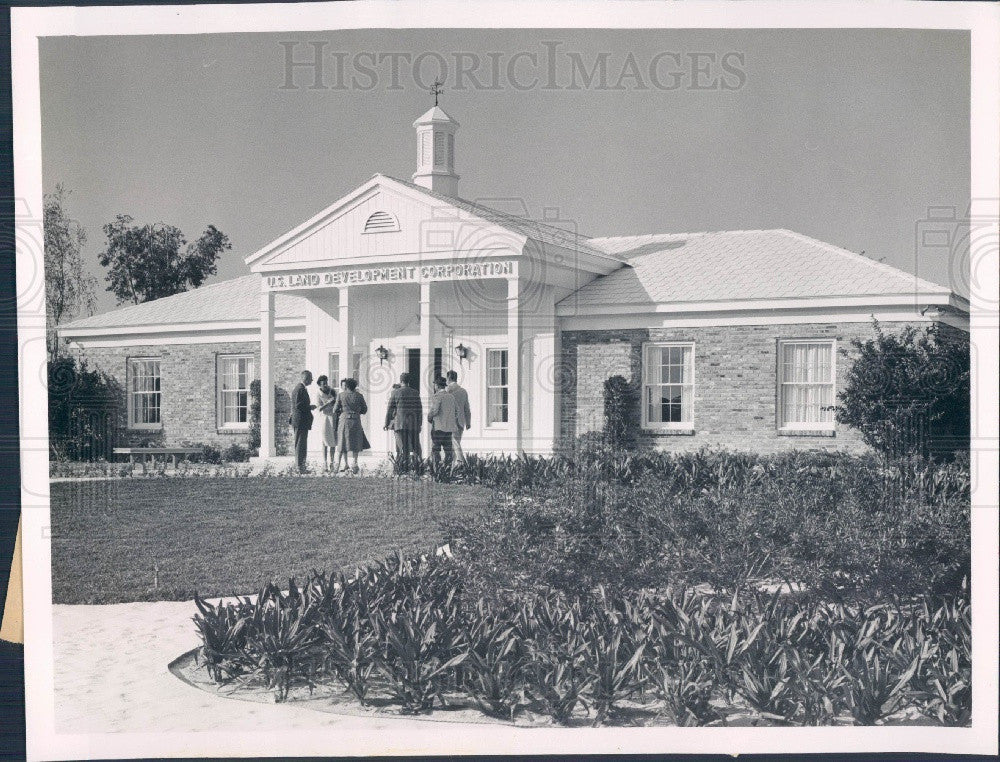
point(392, 274)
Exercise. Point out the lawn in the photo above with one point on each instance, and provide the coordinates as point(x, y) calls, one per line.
point(123, 540)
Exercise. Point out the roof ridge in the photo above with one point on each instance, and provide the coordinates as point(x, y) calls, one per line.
point(489, 209)
point(847, 253)
point(689, 234)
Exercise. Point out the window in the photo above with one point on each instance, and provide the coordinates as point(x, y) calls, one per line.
point(805, 385)
point(425, 149)
point(234, 374)
point(668, 386)
point(497, 380)
point(333, 365)
point(144, 393)
point(439, 149)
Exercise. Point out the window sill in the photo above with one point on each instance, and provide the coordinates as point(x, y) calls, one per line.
point(806, 433)
point(668, 432)
point(232, 431)
point(146, 429)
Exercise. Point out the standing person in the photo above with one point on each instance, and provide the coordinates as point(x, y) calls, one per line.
point(404, 416)
point(443, 422)
point(301, 418)
point(463, 413)
point(327, 402)
point(338, 453)
point(351, 437)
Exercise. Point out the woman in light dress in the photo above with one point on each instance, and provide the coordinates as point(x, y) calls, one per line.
point(351, 437)
point(327, 403)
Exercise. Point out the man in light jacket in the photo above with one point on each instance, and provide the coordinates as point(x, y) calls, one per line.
point(443, 420)
point(463, 414)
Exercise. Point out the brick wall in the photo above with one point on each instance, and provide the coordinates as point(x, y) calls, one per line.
point(188, 388)
point(735, 395)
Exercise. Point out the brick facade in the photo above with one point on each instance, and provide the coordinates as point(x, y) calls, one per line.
point(735, 394)
point(188, 389)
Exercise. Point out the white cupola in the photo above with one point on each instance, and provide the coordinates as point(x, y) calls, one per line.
point(436, 152)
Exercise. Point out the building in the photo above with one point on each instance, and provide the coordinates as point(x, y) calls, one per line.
point(735, 339)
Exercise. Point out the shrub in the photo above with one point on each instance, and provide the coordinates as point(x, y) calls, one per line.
point(841, 525)
point(253, 442)
point(620, 412)
point(84, 410)
point(909, 392)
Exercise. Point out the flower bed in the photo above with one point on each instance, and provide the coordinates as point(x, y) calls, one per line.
point(402, 632)
point(620, 588)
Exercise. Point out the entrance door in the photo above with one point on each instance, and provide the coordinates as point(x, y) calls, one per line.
point(413, 367)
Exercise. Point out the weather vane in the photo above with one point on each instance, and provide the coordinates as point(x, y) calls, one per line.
point(436, 89)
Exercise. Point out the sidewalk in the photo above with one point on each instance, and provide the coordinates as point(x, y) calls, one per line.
point(111, 676)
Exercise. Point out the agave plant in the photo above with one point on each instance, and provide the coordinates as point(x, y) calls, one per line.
point(496, 664)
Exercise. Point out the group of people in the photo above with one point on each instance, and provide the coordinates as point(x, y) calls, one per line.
point(344, 437)
point(449, 417)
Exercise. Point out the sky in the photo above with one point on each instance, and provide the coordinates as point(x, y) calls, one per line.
point(849, 136)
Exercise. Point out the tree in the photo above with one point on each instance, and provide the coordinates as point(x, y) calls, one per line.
point(909, 392)
point(68, 288)
point(85, 410)
point(145, 262)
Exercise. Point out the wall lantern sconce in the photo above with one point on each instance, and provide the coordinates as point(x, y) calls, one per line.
point(462, 352)
point(383, 354)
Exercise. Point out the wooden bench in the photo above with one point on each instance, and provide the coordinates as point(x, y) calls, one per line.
point(152, 452)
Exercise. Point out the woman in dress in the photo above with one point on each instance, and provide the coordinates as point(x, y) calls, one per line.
point(351, 437)
point(327, 402)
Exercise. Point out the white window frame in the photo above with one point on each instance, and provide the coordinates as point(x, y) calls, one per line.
point(488, 424)
point(333, 376)
point(782, 384)
point(220, 407)
point(130, 381)
point(648, 425)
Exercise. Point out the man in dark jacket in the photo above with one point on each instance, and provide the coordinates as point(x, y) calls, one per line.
point(301, 418)
point(404, 415)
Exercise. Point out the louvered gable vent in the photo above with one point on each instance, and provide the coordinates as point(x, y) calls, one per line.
point(381, 222)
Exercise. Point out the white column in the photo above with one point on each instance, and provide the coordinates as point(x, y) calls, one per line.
point(344, 345)
point(545, 400)
point(426, 384)
point(514, 363)
point(267, 449)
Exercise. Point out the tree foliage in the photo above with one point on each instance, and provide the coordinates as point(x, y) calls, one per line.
point(909, 392)
point(69, 290)
point(146, 262)
point(85, 410)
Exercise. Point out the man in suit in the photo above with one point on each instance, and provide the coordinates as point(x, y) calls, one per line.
point(301, 418)
point(404, 416)
point(443, 420)
point(463, 413)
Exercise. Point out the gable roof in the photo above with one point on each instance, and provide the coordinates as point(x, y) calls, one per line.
point(536, 231)
point(224, 302)
point(740, 265)
point(521, 226)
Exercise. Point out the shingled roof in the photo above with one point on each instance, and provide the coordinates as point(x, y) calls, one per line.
point(740, 265)
point(672, 268)
point(227, 301)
